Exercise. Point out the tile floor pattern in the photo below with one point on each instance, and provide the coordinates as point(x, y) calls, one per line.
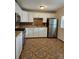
point(43, 48)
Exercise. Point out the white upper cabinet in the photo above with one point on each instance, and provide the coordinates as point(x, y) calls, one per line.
point(24, 16)
point(51, 16)
point(32, 15)
point(45, 18)
point(35, 15)
point(18, 10)
point(40, 15)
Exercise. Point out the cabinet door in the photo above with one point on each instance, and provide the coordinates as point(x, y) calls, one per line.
point(45, 18)
point(26, 34)
point(39, 15)
point(51, 16)
point(42, 16)
point(30, 17)
point(42, 32)
point(24, 16)
point(30, 32)
point(45, 32)
point(35, 32)
point(35, 15)
point(18, 45)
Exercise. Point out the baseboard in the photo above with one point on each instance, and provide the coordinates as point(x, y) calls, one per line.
point(34, 37)
point(43, 37)
point(60, 40)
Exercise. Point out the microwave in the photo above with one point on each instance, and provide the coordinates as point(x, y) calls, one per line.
point(17, 17)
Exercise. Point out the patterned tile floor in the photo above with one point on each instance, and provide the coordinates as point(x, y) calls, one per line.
point(43, 48)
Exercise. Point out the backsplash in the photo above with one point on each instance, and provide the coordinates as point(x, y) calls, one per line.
point(28, 24)
point(38, 22)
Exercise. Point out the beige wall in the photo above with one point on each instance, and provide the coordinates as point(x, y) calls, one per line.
point(59, 13)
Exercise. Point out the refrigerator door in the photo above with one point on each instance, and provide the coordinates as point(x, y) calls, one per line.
point(52, 21)
point(52, 27)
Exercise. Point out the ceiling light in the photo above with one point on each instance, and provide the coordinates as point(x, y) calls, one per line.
point(42, 7)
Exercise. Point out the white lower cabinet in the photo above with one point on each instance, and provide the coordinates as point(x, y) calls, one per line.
point(36, 32)
point(27, 33)
point(18, 45)
point(42, 32)
point(30, 18)
point(30, 32)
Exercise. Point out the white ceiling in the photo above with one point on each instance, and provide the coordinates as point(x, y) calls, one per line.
point(52, 5)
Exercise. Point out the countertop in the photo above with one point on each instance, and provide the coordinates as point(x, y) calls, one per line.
point(33, 27)
point(17, 33)
point(18, 30)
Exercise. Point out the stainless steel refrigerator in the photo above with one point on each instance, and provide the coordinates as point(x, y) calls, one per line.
point(52, 27)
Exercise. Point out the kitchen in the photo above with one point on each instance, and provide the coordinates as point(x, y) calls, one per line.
point(33, 24)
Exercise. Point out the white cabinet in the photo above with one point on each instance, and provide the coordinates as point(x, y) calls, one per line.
point(32, 15)
point(42, 15)
point(18, 10)
point(50, 16)
point(45, 32)
point(24, 16)
point(30, 32)
point(45, 18)
point(27, 32)
point(30, 19)
point(36, 32)
point(18, 45)
point(42, 32)
point(35, 15)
